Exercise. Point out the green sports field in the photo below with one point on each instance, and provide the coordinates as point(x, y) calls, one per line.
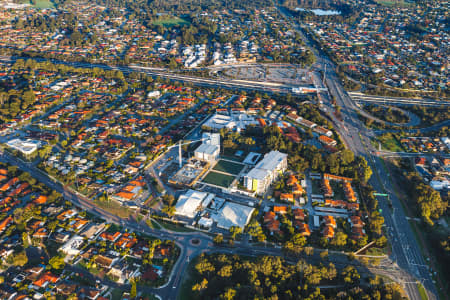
point(43, 4)
point(228, 167)
point(167, 22)
point(218, 179)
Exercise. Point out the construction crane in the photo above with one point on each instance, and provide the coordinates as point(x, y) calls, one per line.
point(179, 144)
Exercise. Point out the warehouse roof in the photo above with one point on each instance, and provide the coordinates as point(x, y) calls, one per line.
point(233, 214)
point(188, 203)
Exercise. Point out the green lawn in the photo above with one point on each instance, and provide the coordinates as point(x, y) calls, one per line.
point(228, 167)
point(116, 294)
point(113, 207)
point(390, 143)
point(392, 3)
point(152, 224)
point(218, 179)
point(174, 227)
point(43, 4)
point(423, 294)
point(167, 22)
point(338, 190)
point(316, 187)
point(189, 279)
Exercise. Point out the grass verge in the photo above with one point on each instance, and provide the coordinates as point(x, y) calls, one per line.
point(422, 292)
point(152, 224)
point(174, 227)
point(114, 208)
point(185, 292)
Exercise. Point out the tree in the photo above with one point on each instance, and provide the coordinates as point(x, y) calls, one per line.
point(204, 266)
point(45, 151)
point(324, 254)
point(226, 271)
point(376, 222)
point(133, 291)
point(229, 294)
point(25, 239)
point(363, 169)
point(340, 239)
point(381, 242)
point(200, 286)
point(218, 239)
point(331, 272)
point(350, 275)
point(234, 231)
point(429, 202)
point(299, 240)
point(255, 230)
point(347, 156)
point(309, 251)
point(20, 259)
point(57, 262)
point(168, 199)
point(168, 210)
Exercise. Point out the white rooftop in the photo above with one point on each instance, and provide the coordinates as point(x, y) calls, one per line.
point(238, 120)
point(207, 148)
point(189, 202)
point(251, 158)
point(233, 214)
point(27, 146)
point(271, 160)
point(258, 174)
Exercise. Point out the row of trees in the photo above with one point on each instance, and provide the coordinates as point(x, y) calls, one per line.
point(14, 101)
point(429, 203)
point(220, 276)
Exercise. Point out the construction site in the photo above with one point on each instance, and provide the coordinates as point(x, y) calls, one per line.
point(188, 175)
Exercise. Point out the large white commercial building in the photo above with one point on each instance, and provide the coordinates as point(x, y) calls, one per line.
point(189, 203)
point(209, 150)
point(238, 121)
point(72, 247)
point(27, 146)
point(265, 172)
point(233, 214)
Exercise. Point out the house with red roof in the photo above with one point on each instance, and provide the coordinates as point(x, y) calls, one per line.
point(45, 280)
point(328, 232)
point(280, 209)
point(329, 221)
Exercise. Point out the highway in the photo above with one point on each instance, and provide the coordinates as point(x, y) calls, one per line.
point(405, 249)
point(360, 97)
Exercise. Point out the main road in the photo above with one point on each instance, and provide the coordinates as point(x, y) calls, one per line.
point(405, 248)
